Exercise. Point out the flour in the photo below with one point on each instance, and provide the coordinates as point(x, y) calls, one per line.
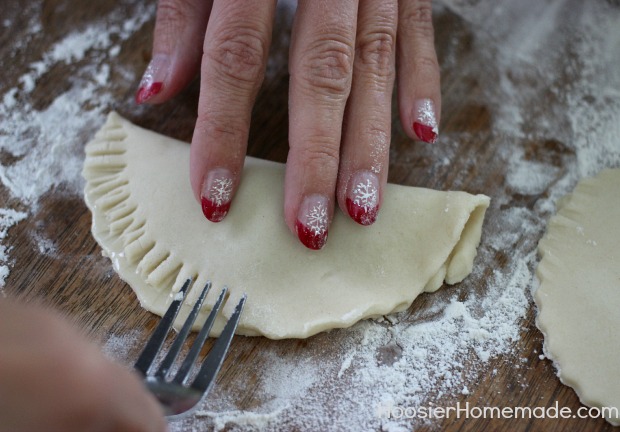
point(123, 346)
point(45, 145)
point(48, 142)
point(45, 245)
point(529, 177)
point(8, 218)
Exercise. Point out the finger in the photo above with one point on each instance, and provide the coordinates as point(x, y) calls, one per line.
point(131, 406)
point(121, 402)
point(419, 91)
point(177, 47)
point(43, 356)
point(366, 141)
point(321, 62)
point(233, 65)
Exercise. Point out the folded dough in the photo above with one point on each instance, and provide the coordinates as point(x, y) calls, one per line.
point(579, 294)
point(147, 221)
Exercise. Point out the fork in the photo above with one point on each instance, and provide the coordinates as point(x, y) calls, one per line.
point(175, 394)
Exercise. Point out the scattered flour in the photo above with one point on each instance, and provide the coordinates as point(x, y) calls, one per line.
point(120, 347)
point(45, 245)
point(8, 218)
point(248, 419)
point(530, 177)
point(44, 146)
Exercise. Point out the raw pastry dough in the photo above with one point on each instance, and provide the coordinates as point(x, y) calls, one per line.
point(579, 294)
point(147, 221)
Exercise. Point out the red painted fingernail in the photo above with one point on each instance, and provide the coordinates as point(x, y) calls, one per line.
point(152, 81)
point(146, 92)
point(312, 222)
point(363, 197)
point(217, 194)
point(425, 123)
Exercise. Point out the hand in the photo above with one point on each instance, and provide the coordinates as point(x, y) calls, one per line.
point(51, 379)
point(343, 61)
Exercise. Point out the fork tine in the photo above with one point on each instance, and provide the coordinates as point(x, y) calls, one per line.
point(211, 366)
point(192, 355)
point(152, 347)
point(175, 349)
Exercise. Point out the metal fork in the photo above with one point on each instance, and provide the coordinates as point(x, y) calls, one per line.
point(176, 396)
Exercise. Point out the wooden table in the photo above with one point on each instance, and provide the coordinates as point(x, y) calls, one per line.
point(492, 64)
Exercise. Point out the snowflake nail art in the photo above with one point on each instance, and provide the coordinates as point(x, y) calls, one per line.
point(365, 195)
point(220, 191)
point(317, 219)
point(217, 194)
point(312, 224)
point(362, 202)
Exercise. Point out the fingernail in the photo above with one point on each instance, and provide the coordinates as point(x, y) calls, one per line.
point(216, 194)
point(152, 81)
point(425, 123)
point(312, 220)
point(363, 197)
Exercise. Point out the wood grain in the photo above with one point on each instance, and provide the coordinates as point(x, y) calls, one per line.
point(79, 281)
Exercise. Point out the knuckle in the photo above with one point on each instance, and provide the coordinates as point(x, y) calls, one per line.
point(220, 130)
point(419, 11)
point(321, 154)
point(379, 137)
point(428, 64)
point(239, 55)
point(327, 67)
point(375, 51)
point(175, 13)
point(419, 18)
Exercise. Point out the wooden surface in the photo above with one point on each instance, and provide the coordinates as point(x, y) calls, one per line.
point(80, 282)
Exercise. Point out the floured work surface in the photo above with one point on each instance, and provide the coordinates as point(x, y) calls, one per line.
point(147, 221)
point(579, 294)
